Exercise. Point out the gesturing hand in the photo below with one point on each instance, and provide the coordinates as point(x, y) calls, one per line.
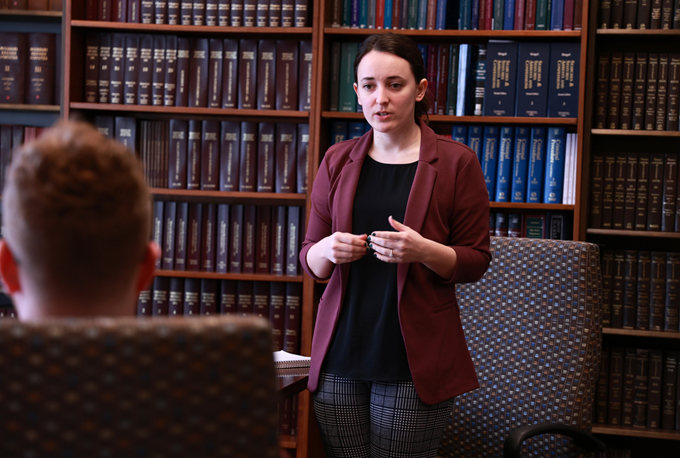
point(342, 247)
point(405, 245)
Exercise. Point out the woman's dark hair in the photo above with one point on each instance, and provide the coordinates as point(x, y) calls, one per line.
point(401, 46)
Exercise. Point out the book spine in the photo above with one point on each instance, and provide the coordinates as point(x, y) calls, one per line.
point(104, 69)
point(654, 360)
point(229, 155)
point(145, 70)
point(489, 161)
point(631, 190)
point(291, 338)
point(236, 239)
point(228, 290)
point(261, 299)
point(249, 236)
point(666, 14)
point(159, 303)
point(91, 67)
point(224, 13)
point(644, 14)
point(277, 312)
point(181, 234)
point(222, 239)
point(642, 196)
point(158, 72)
point(215, 67)
point(208, 298)
point(644, 290)
point(650, 99)
point(146, 11)
point(670, 185)
point(661, 93)
point(628, 399)
point(236, 13)
point(293, 240)
point(278, 240)
point(178, 154)
point(170, 77)
point(617, 14)
point(627, 83)
point(287, 75)
point(501, 82)
point(501, 226)
point(194, 230)
point(564, 80)
point(668, 394)
point(176, 297)
point(160, 12)
point(616, 71)
point(288, 13)
point(266, 68)
point(536, 161)
point(305, 73)
point(503, 178)
point(286, 139)
point(629, 289)
point(208, 231)
point(673, 107)
point(198, 72)
point(302, 158)
point(247, 74)
point(554, 166)
point(262, 13)
point(672, 305)
point(144, 302)
point(657, 299)
point(170, 216)
point(230, 74)
point(192, 297)
point(157, 228)
point(186, 11)
point(639, 90)
point(480, 80)
point(630, 8)
point(301, 14)
point(602, 388)
point(194, 155)
point(596, 189)
point(248, 157)
point(173, 13)
point(532, 81)
point(618, 210)
point(183, 67)
point(198, 12)
point(210, 155)
point(603, 72)
point(266, 157)
point(607, 262)
point(262, 239)
point(520, 162)
point(655, 196)
point(641, 388)
point(40, 72)
point(617, 289)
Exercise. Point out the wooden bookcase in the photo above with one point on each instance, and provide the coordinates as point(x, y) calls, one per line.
point(639, 440)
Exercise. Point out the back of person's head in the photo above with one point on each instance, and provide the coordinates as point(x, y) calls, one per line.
point(76, 212)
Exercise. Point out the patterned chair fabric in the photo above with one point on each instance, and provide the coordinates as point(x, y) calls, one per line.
point(533, 327)
point(160, 387)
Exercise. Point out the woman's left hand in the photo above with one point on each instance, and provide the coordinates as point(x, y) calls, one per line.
point(405, 245)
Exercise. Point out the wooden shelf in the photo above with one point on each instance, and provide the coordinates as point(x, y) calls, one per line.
point(24, 107)
point(465, 119)
point(643, 234)
point(636, 432)
point(641, 333)
point(31, 13)
point(287, 442)
point(199, 29)
point(189, 110)
point(228, 276)
point(636, 133)
point(637, 33)
point(526, 206)
point(331, 31)
point(261, 198)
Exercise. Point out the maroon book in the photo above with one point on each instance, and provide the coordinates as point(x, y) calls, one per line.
point(262, 13)
point(40, 76)
point(210, 155)
point(266, 157)
point(229, 155)
point(653, 359)
point(661, 92)
point(278, 240)
point(247, 79)
point(174, 17)
point(157, 234)
point(183, 63)
point(617, 14)
point(91, 68)
point(131, 73)
point(617, 289)
point(669, 191)
point(614, 103)
point(91, 10)
point(181, 232)
point(305, 72)
point(198, 13)
point(287, 13)
point(630, 8)
point(104, 67)
point(159, 302)
point(249, 13)
point(208, 300)
point(222, 240)
point(186, 11)
point(631, 191)
point(277, 303)
point(616, 359)
point(244, 297)
point(192, 301)
point(657, 298)
point(211, 13)
point(228, 289)
point(146, 11)
point(236, 13)
point(104, 12)
point(672, 309)
point(666, 14)
point(194, 230)
point(668, 393)
point(650, 99)
point(170, 216)
point(230, 74)
point(117, 66)
point(176, 297)
point(208, 231)
point(627, 83)
point(262, 239)
point(261, 299)
point(266, 71)
point(249, 236)
point(286, 157)
point(293, 240)
point(194, 155)
point(133, 11)
point(160, 12)
point(224, 13)
point(236, 239)
point(639, 90)
point(145, 69)
point(170, 77)
point(119, 13)
point(198, 72)
point(158, 78)
point(179, 133)
point(642, 197)
point(630, 278)
point(302, 158)
point(607, 262)
point(248, 157)
point(144, 302)
point(126, 132)
point(673, 105)
point(275, 13)
point(291, 337)
point(215, 63)
point(643, 14)
point(644, 290)
point(655, 195)
point(287, 75)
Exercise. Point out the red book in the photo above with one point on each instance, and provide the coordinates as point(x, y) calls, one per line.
point(120, 11)
point(249, 237)
point(247, 78)
point(40, 72)
point(230, 74)
point(291, 337)
point(229, 155)
point(261, 299)
point(262, 239)
point(236, 239)
point(228, 297)
point(192, 290)
point(488, 14)
point(91, 10)
point(568, 20)
point(305, 88)
point(198, 72)
point(530, 15)
point(170, 79)
point(170, 217)
point(248, 157)
point(222, 250)
point(442, 79)
point(159, 302)
point(244, 297)
point(266, 71)
point(194, 231)
point(286, 157)
point(208, 299)
point(380, 14)
point(181, 233)
point(302, 158)
point(578, 14)
point(431, 17)
point(482, 14)
point(215, 65)
point(286, 75)
point(194, 155)
point(277, 303)
point(266, 157)
point(210, 155)
point(208, 232)
point(176, 297)
point(278, 240)
point(520, 6)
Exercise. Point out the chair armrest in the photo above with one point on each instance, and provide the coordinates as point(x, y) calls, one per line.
point(513, 443)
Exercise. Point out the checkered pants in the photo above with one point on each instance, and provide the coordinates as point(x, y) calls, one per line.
point(360, 419)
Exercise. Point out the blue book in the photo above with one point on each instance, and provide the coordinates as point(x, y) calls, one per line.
point(339, 132)
point(347, 13)
point(440, 21)
point(557, 15)
point(388, 14)
point(423, 52)
point(363, 14)
point(520, 162)
point(474, 15)
point(356, 129)
point(509, 15)
point(504, 172)
point(533, 62)
point(347, 98)
point(565, 60)
point(474, 140)
point(536, 159)
point(464, 15)
point(355, 13)
point(490, 158)
point(421, 23)
point(554, 165)
point(501, 81)
point(464, 62)
point(460, 134)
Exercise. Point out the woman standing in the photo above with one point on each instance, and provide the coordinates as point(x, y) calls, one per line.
point(399, 216)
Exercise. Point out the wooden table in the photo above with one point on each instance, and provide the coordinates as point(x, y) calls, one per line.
point(290, 382)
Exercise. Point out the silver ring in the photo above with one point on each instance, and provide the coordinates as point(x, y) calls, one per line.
point(391, 253)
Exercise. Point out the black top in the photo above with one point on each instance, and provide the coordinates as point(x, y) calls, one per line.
point(368, 344)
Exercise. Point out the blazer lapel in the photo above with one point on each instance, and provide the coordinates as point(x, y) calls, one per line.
point(347, 184)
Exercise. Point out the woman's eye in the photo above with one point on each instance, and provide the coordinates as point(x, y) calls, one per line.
point(396, 85)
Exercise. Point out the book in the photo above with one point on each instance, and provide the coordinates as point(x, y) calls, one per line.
point(179, 136)
point(277, 303)
point(262, 239)
point(657, 298)
point(672, 304)
point(630, 191)
point(661, 93)
point(514, 225)
point(158, 71)
point(159, 301)
point(600, 416)
point(183, 68)
point(655, 193)
point(480, 80)
point(91, 68)
point(603, 75)
point(630, 8)
point(554, 165)
point(208, 297)
point(236, 239)
point(302, 158)
point(627, 82)
point(293, 239)
point(247, 79)
point(192, 296)
point(518, 191)
point(501, 80)
point(261, 299)
point(194, 155)
point(144, 301)
point(643, 290)
point(181, 234)
point(654, 360)
point(643, 14)
point(564, 80)
point(104, 68)
point(40, 71)
point(228, 291)
point(210, 155)
point(607, 264)
point(650, 99)
point(266, 68)
point(230, 147)
point(642, 197)
point(176, 296)
point(198, 72)
point(630, 281)
point(532, 79)
point(642, 389)
point(215, 72)
point(614, 104)
point(536, 165)
point(489, 158)
point(286, 360)
point(306, 56)
point(287, 64)
point(291, 337)
point(617, 289)
point(278, 240)
point(505, 159)
point(194, 232)
point(501, 225)
point(266, 157)
point(248, 157)
point(286, 146)
point(249, 238)
point(157, 227)
point(639, 89)
point(208, 232)
point(673, 96)
point(669, 192)
point(222, 239)
point(620, 164)
point(668, 389)
point(614, 401)
point(230, 73)
point(170, 217)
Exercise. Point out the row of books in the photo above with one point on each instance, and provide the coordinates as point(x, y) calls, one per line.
point(216, 156)
point(635, 191)
point(34, 5)
point(28, 68)
point(639, 91)
point(638, 387)
point(11, 138)
point(222, 13)
point(171, 70)
point(614, 453)
point(461, 15)
point(499, 79)
point(8, 312)
point(554, 225)
point(233, 238)
point(640, 289)
point(639, 14)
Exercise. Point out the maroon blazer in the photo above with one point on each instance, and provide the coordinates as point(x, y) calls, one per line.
point(449, 204)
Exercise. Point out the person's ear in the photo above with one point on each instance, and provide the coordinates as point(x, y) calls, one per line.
point(9, 270)
point(148, 267)
point(356, 90)
point(420, 90)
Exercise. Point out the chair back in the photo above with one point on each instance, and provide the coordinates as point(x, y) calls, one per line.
point(161, 387)
point(533, 328)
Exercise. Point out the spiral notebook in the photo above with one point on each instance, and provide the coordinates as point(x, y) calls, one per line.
point(285, 360)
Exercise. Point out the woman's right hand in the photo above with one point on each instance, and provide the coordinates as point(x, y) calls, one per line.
point(343, 247)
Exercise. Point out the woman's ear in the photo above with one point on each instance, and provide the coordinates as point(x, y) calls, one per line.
point(356, 90)
point(420, 90)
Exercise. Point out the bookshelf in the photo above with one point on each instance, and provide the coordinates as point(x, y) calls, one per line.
point(601, 141)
